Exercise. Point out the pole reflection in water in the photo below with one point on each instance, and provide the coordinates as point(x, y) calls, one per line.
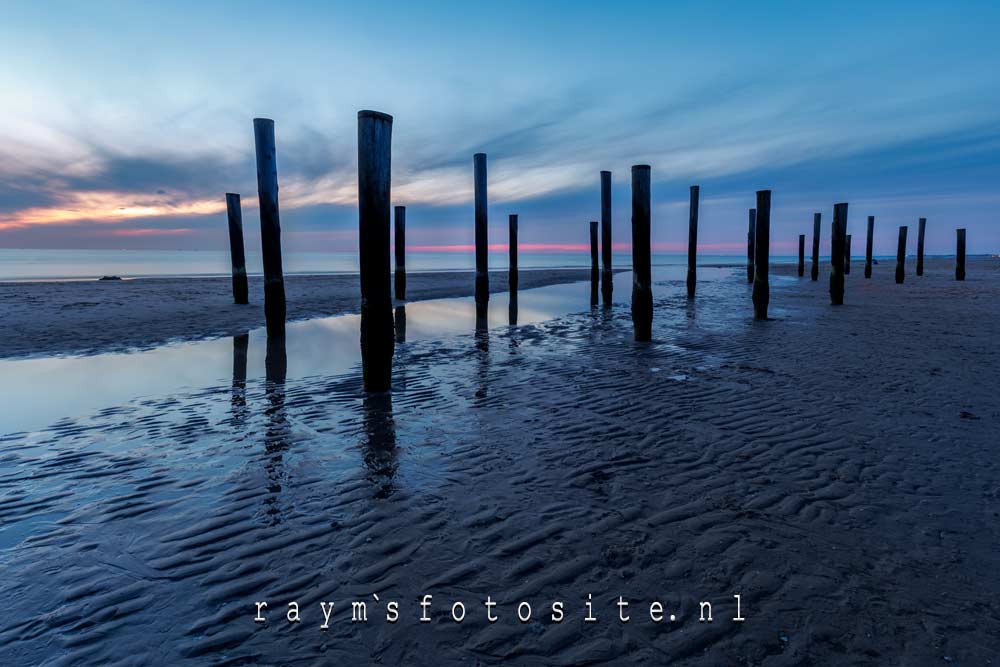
point(241, 344)
point(275, 372)
point(400, 323)
point(512, 310)
point(482, 337)
point(379, 444)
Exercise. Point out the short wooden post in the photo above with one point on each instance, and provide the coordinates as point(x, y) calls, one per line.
point(762, 259)
point(838, 243)
point(802, 255)
point(374, 168)
point(960, 255)
point(270, 226)
point(642, 281)
point(692, 274)
point(921, 228)
point(901, 256)
point(482, 235)
point(814, 271)
point(607, 278)
point(239, 260)
point(399, 227)
point(868, 246)
point(847, 255)
point(751, 238)
point(594, 274)
point(512, 252)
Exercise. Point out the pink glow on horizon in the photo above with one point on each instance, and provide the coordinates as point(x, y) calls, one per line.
point(584, 247)
point(148, 231)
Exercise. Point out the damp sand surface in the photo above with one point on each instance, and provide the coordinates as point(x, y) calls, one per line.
point(836, 467)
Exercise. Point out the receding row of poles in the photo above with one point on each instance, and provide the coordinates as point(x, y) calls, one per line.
point(374, 196)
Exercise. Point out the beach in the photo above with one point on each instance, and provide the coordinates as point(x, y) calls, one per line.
point(91, 316)
point(834, 467)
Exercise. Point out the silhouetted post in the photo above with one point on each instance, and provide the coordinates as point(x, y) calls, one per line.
point(512, 250)
point(921, 227)
point(642, 281)
point(847, 255)
point(377, 327)
point(901, 256)
point(235, 214)
point(607, 279)
point(399, 226)
point(868, 246)
point(692, 275)
point(270, 226)
point(802, 255)
point(751, 239)
point(814, 271)
point(593, 263)
point(838, 243)
point(960, 255)
point(482, 236)
point(762, 258)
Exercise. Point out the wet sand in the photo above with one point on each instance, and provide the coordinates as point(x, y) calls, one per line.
point(836, 467)
point(92, 316)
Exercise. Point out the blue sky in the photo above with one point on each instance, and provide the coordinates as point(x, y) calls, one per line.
point(124, 124)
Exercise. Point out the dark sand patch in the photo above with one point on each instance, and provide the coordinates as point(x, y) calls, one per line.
point(818, 463)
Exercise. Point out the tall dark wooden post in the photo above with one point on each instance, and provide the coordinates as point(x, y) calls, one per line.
point(399, 227)
point(607, 278)
point(868, 246)
point(921, 227)
point(960, 255)
point(847, 255)
point(802, 255)
point(594, 274)
point(235, 213)
point(642, 280)
point(270, 226)
point(482, 236)
point(762, 258)
point(901, 256)
point(512, 252)
point(692, 274)
point(751, 239)
point(814, 271)
point(377, 327)
point(838, 243)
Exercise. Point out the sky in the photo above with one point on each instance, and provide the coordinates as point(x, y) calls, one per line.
point(124, 124)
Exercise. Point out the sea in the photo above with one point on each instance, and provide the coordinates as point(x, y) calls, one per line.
point(19, 265)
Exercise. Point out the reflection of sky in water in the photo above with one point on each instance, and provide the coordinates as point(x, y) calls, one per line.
point(38, 392)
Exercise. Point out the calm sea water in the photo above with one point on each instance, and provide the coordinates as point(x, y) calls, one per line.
point(21, 265)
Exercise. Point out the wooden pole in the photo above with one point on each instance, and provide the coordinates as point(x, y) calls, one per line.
point(399, 226)
point(868, 246)
point(802, 255)
point(642, 281)
point(901, 256)
point(377, 328)
point(512, 249)
point(692, 274)
point(814, 271)
point(762, 249)
point(482, 235)
point(960, 255)
point(607, 278)
point(270, 226)
point(239, 260)
point(751, 237)
point(593, 263)
point(921, 227)
point(847, 255)
point(838, 243)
